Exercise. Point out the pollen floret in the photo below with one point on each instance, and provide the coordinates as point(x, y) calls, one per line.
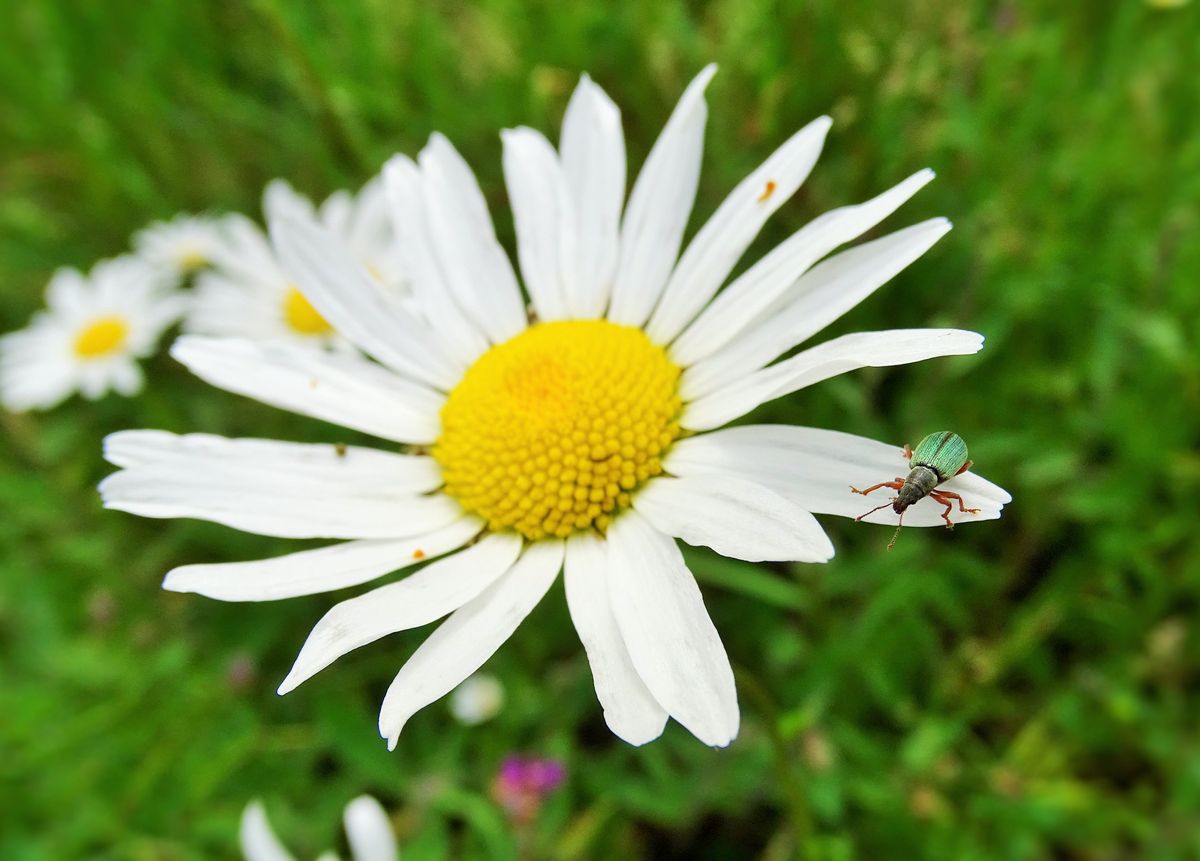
point(552, 430)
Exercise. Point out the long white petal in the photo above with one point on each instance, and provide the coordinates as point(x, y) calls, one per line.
point(434, 591)
point(267, 501)
point(592, 150)
point(812, 303)
point(369, 831)
point(406, 202)
point(258, 841)
point(815, 468)
point(338, 286)
point(659, 206)
point(735, 517)
point(752, 293)
point(324, 569)
point(848, 353)
point(720, 243)
point(471, 635)
point(344, 390)
point(545, 222)
point(671, 639)
point(475, 266)
point(630, 711)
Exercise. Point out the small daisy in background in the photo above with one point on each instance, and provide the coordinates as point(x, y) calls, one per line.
point(584, 438)
point(248, 294)
point(477, 700)
point(368, 831)
point(181, 246)
point(90, 336)
point(523, 783)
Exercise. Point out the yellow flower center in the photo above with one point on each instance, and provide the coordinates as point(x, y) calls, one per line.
point(550, 431)
point(192, 260)
point(303, 317)
point(101, 337)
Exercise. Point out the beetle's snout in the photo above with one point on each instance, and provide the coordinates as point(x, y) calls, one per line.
point(899, 505)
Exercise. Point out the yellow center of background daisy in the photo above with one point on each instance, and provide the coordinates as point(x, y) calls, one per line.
point(302, 316)
point(550, 431)
point(101, 337)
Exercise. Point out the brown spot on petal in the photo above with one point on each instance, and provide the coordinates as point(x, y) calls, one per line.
point(767, 191)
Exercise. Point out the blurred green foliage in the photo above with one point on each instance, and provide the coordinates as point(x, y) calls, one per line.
point(1018, 690)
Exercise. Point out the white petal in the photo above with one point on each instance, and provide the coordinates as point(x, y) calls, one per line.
point(593, 158)
point(471, 635)
point(720, 243)
point(670, 637)
point(426, 596)
point(369, 831)
point(752, 293)
point(344, 390)
point(815, 468)
point(324, 569)
point(279, 198)
point(812, 303)
point(848, 353)
point(338, 286)
point(258, 841)
point(545, 222)
point(737, 518)
point(472, 261)
point(406, 200)
point(659, 206)
point(629, 709)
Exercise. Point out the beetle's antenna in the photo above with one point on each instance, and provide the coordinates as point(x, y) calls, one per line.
point(896, 534)
point(873, 510)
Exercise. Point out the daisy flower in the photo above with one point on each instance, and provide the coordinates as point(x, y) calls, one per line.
point(368, 831)
point(180, 247)
point(477, 700)
point(88, 339)
point(248, 294)
point(582, 436)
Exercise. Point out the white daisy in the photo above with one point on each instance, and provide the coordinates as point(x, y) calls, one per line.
point(180, 247)
point(368, 831)
point(477, 700)
point(585, 442)
point(89, 337)
point(248, 294)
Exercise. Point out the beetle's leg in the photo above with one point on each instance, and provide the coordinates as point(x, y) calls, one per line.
point(894, 485)
point(907, 452)
point(943, 495)
point(873, 510)
point(965, 467)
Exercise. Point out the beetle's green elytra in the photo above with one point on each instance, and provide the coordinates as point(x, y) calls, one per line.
point(937, 458)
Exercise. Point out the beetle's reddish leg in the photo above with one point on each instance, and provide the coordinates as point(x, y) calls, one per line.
point(943, 495)
point(894, 485)
point(965, 467)
point(907, 452)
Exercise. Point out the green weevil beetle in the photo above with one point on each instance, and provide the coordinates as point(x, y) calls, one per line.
point(937, 458)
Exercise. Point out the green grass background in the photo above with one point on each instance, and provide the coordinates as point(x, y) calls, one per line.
point(1023, 689)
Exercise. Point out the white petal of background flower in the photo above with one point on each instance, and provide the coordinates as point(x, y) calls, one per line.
point(737, 518)
point(356, 306)
point(751, 294)
point(592, 151)
point(671, 639)
point(477, 700)
point(471, 635)
point(811, 303)
point(630, 711)
point(369, 831)
point(659, 207)
point(816, 467)
point(847, 353)
point(544, 219)
point(474, 264)
point(308, 572)
point(720, 243)
point(426, 596)
point(258, 841)
point(344, 390)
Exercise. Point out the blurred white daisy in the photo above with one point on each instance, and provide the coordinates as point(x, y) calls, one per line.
point(182, 246)
point(368, 831)
point(248, 294)
point(477, 700)
point(584, 441)
point(89, 337)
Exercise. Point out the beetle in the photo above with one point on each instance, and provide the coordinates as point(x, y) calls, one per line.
point(937, 458)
